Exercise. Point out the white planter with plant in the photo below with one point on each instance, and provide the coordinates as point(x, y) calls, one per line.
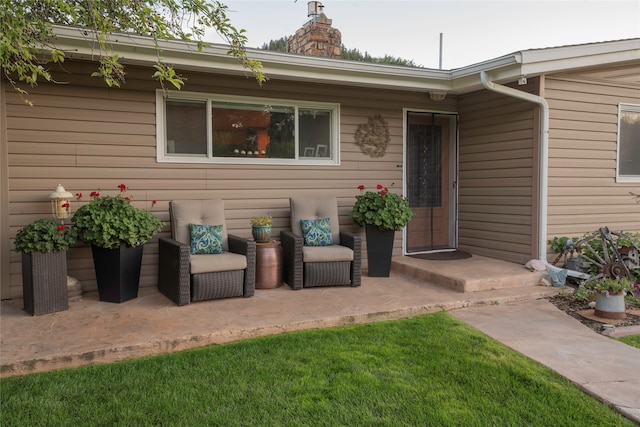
point(608, 294)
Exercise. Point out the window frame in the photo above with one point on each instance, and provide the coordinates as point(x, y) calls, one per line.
point(624, 108)
point(161, 141)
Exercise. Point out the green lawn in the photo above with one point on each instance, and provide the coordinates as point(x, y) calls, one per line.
point(427, 371)
point(632, 340)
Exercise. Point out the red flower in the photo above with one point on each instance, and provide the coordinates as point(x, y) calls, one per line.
point(360, 187)
point(66, 205)
point(94, 194)
point(61, 228)
point(128, 199)
point(122, 187)
point(382, 193)
point(379, 187)
point(78, 196)
point(153, 203)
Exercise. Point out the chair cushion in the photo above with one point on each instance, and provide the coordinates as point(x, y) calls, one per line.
point(326, 253)
point(205, 239)
point(206, 212)
point(226, 261)
point(316, 232)
point(315, 207)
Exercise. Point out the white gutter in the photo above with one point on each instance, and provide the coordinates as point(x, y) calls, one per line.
point(544, 153)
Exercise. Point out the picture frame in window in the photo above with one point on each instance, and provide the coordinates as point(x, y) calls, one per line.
point(321, 150)
point(308, 152)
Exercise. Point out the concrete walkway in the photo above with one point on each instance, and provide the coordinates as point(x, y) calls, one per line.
point(604, 368)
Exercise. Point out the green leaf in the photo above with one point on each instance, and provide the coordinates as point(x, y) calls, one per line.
point(27, 27)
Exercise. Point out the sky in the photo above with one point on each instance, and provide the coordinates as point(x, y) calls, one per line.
point(472, 31)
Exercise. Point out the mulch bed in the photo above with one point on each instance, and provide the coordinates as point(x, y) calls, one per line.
point(566, 302)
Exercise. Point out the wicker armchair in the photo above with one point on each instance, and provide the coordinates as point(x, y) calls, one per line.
point(310, 266)
point(184, 277)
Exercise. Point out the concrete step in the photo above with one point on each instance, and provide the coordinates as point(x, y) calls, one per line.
point(473, 274)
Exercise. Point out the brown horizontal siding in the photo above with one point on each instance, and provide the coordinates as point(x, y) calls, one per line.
point(612, 75)
point(496, 176)
point(583, 192)
point(88, 137)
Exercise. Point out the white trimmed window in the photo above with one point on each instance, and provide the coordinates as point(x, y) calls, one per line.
point(628, 168)
point(204, 128)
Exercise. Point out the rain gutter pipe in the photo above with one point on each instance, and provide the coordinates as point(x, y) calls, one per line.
point(544, 153)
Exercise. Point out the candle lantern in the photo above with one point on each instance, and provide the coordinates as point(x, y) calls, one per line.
point(60, 203)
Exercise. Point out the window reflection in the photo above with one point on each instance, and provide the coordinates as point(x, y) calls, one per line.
point(252, 131)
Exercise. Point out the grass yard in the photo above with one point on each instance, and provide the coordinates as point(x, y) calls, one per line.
point(632, 340)
point(426, 371)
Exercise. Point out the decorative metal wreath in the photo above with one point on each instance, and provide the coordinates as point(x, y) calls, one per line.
point(373, 137)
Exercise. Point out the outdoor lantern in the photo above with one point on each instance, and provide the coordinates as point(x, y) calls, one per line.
point(60, 206)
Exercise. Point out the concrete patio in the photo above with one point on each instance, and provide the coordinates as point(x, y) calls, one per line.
point(92, 332)
point(95, 332)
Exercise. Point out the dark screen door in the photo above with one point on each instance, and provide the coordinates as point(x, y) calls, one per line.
point(429, 182)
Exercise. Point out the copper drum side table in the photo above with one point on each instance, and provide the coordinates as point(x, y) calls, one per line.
point(268, 265)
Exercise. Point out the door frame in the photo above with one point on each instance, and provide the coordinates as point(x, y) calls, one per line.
point(453, 175)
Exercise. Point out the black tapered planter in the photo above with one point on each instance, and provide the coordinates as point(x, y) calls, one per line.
point(44, 282)
point(379, 250)
point(117, 272)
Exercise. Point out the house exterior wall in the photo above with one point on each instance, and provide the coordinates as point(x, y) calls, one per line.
point(583, 192)
point(5, 248)
point(87, 137)
point(497, 183)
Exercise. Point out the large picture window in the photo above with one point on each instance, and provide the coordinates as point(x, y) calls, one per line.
point(203, 128)
point(629, 143)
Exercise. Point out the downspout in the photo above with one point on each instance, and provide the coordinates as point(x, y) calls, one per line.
point(544, 153)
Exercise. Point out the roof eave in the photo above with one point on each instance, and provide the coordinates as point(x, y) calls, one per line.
point(133, 49)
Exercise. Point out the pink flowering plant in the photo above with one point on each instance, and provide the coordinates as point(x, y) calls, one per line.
point(382, 208)
point(44, 236)
point(108, 221)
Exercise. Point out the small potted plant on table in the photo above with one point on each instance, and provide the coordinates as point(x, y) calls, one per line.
point(261, 228)
point(117, 232)
point(43, 244)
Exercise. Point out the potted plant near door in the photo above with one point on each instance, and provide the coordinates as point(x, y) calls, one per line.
point(382, 213)
point(43, 244)
point(117, 232)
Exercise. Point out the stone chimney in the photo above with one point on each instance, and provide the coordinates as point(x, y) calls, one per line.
point(316, 37)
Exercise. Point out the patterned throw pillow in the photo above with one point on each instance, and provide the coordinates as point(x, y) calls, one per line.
point(316, 232)
point(206, 239)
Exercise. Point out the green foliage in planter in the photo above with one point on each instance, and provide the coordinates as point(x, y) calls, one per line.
point(108, 221)
point(606, 286)
point(44, 236)
point(382, 208)
point(262, 220)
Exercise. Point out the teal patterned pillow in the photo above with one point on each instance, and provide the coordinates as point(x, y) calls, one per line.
point(206, 239)
point(316, 232)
